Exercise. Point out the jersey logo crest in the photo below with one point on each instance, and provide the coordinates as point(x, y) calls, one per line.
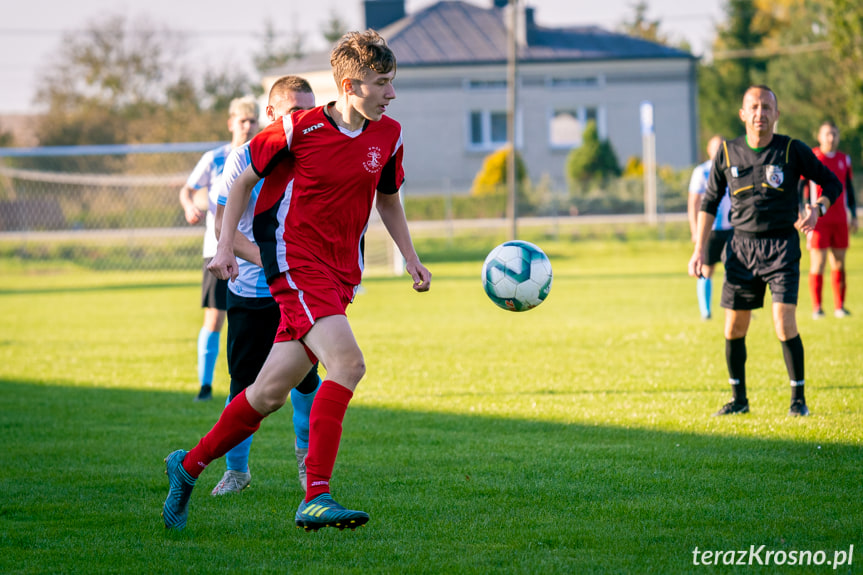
point(373, 164)
point(774, 175)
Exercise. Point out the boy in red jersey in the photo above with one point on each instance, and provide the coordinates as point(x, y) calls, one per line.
point(831, 232)
point(324, 168)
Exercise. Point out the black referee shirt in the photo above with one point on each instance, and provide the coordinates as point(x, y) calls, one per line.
point(763, 184)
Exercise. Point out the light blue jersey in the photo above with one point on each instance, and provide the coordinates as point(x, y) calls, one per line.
point(698, 185)
point(251, 281)
point(207, 174)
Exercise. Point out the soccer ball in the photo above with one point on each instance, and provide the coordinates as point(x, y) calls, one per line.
point(516, 276)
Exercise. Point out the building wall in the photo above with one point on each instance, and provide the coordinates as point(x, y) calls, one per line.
point(433, 104)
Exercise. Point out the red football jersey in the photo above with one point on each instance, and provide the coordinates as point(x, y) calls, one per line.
point(319, 188)
point(840, 164)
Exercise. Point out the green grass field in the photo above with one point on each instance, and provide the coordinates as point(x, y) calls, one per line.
point(575, 438)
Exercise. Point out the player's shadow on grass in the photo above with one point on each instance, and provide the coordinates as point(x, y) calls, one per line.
point(84, 466)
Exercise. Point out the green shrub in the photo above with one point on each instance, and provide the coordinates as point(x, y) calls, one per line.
point(594, 161)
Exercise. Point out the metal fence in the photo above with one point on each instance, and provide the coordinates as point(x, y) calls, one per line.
point(113, 207)
point(106, 207)
point(116, 207)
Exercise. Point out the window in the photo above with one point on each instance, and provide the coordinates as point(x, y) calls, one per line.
point(498, 127)
point(487, 129)
point(486, 84)
point(587, 82)
point(476, 131)
point(566, 126)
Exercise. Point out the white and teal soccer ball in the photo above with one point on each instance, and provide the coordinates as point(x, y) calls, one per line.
point(516, 276)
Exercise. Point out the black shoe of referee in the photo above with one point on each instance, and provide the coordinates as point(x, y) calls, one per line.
point(733, 408)
point(798, 408)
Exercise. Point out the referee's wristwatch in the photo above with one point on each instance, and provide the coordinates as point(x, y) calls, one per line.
point(822, 209)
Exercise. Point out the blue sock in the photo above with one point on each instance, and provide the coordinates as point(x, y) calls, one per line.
point(705, 286)
point(238, 457)
point(302, 404)
point(208, 351)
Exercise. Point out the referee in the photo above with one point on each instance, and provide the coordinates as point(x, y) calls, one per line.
point(761, 170)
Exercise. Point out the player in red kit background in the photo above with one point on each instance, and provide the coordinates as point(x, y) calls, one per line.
point(324, 169)
point(831, 232)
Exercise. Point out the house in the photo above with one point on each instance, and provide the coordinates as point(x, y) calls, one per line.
point(451, 88)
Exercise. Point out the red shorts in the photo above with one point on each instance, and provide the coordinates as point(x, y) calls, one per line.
point(828, 235)
point(305, 295)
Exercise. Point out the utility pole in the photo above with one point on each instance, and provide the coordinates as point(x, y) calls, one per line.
point(648, 140)
point(511, 94)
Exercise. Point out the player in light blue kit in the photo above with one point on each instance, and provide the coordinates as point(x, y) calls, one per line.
point(253, 314)
point(243, 124)
point(722, 229)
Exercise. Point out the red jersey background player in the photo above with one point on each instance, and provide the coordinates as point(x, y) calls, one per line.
point(831, 231)
point(324, 168)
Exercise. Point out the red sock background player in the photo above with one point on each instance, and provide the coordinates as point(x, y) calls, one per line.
point(830, 236)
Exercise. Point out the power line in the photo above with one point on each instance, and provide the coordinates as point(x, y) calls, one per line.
point(764, 52)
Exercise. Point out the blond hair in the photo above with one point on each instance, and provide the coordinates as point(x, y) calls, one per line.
point(358, 53)
point(247, 105)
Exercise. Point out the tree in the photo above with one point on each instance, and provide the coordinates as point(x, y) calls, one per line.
point(807, 51)
point(273, 55)
point(112, 68)
point(592, 162)
point(797, 77)
point(334, 29)
point(722, 82)
point(7, 139)
point(641, 27)
point(845, 25)
point(122, 82)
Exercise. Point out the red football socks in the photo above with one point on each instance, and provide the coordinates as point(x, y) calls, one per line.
point(816, 286)
point(325, 433)
point(839, 288)
point(239, 420)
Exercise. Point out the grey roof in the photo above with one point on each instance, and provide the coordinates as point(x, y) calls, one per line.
point(456, 32)
point(453, 32)
point(312, 62)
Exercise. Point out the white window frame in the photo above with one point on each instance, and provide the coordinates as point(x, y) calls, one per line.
point(486, 143)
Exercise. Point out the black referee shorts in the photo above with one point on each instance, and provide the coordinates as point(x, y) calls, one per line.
point(716, 246)
point(214, 292)
point(752, 263)
point(252, 327)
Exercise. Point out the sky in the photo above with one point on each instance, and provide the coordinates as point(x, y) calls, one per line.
point(223, 32)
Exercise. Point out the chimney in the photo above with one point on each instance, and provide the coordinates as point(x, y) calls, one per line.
point(529, 25)
point(382, 13)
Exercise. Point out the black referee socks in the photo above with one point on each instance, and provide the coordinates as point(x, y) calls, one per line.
point(793, 352)
point(735, 357)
